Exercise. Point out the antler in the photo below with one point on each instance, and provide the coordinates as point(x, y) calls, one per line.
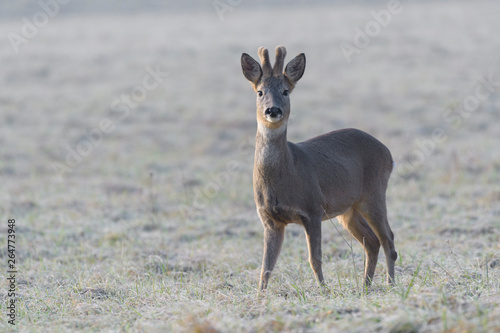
point(277, 70)
point(280, 60)
point(266, 63)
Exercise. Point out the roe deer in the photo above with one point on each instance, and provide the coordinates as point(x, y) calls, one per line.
point(341, 174)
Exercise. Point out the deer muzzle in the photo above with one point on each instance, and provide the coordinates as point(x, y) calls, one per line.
point(273, 114)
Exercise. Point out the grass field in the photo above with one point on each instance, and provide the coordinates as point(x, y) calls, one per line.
point(127, 152)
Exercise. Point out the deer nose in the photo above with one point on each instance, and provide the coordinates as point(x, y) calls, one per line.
point(273, 112)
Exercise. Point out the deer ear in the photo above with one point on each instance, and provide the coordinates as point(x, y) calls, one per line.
point(295, 68)
point(251, 68)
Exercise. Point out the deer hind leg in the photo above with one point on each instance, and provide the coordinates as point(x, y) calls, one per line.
point(375, 213)
point(354, 222)
point(273, 239)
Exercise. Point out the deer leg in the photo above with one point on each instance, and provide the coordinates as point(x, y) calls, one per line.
point(273, 239)
point(375, 214)
point(313, 236)
point(354, 222)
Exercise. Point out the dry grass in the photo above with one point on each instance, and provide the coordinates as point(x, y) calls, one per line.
point(140, 238)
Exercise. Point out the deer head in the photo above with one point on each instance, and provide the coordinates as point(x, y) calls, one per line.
point(273, 85)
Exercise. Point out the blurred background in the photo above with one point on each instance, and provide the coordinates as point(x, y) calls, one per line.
point(100, 98)
point(398, 70)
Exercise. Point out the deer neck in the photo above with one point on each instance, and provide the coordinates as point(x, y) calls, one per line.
point(271, 147)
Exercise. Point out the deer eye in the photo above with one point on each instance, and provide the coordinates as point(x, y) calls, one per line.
point(285, 93)
point(259, 93)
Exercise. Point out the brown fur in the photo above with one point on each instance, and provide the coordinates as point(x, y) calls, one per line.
point(342, 173)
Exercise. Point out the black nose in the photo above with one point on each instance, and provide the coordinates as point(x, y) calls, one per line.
point(273, 112)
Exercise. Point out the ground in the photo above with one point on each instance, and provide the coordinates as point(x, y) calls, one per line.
point(127, 152)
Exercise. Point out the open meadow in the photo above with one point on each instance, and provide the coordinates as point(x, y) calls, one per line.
point(126, 156)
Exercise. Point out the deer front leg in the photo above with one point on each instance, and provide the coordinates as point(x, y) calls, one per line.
point(313, 236)
point(273, 239)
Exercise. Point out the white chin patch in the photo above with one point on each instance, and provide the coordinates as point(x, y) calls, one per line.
point(273, 119)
